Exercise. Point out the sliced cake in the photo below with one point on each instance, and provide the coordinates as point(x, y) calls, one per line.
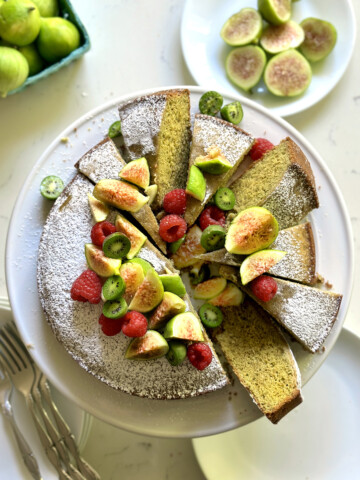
point(233, 144)
point(307, 313)
point(157, 126)
point(105, 161)
point(299, 263)
point(281, 181)
point(261, 358)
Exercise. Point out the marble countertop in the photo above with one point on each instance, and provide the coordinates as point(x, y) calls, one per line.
point(136, 45)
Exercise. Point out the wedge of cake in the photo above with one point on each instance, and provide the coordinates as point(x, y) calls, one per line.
point(281, 181)
point(233, 143)
point(307, 313)
point(261, 358)
point(104, 161)
point(157, 126)
point(299, 263)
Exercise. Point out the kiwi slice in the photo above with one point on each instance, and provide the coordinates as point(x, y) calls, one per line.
point(275, 11)
point(115, 308)
point(213, 238)
point(244, 66)
point(232, 112)
point(51, 187)
point(176, 353)
point(115, 129)
point(199, 273)
point(288, 74)
point(320, 38)
point(210, 103)
point(278, 38)
point(116, 245)
point(225, 198)
point(113, 288)
point(242, 28)
point(210, 315)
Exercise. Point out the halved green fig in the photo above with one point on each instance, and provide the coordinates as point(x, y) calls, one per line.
point(133, 276)
point(278, 38)
point(137, 172)
point(119, 194)
point(186, 256)
point(231, 296)
point(242, 28)
point(258, 263)
point(151, 192)
point(102, 265)
point(196, 183)
point(149, 294)
point(185, 326)
point(137, 238)
point(245, 65)
point(99, 210)
point(275, 11)
point(320, 39)
point(251, 230)
point(172, 283)
point(287, 74)
point(152, 345)
point(214, 162)
point(210, 288)
point(145, 265)
point(169, 306)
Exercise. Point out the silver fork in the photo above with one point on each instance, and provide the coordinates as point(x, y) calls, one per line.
point(25, 450)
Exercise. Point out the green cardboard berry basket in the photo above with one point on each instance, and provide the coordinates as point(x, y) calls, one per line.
point(67, 11)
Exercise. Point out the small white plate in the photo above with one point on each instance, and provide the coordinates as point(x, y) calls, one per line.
point(318, 440)
point(205, 51)
point(11, 463)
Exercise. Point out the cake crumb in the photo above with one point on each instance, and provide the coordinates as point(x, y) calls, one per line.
point(64, 139)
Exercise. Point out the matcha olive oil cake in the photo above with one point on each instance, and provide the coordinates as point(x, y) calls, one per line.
point(157, 126)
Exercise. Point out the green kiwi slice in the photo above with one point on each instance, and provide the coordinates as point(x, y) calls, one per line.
point(210, 315)
point(51, 187)
point(225, 199)
point(199, 274)
point(177, 353)
point(232, 112)
point(115, 308)
point(213, 238)
point(115, 129)
point(116, 245)
point(113, 288)
point(210, 103)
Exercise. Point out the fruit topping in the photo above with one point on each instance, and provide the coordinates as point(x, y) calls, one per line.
point(210, 103)
point(98, 209)
point(174, 246)
point(199, 273)
point(225, 199)
point(149, 294)
point(152, 345)
point(213, 238)
point(275, 11)
point(102, 265)
point(196, 183)
point(210, 288)
point(100, 231)
point(137, 172)
point(232, 112)
point(172, 283)
point(242, 28)
point(187, 253)
point(116, 245)
point(320, 39)
point(199, 355)
point(259, 263)
point(177, 353)
point(210, 315)
point(213, 162)
point(115, 308)
point(134, 324)
point(259, 148)
point(170, 306)
point(133, 276)
point(245, 65)
point(120, 194)
point(110, 326)
point(137, 238)
point(184, 326)
point(115, 129)
point(231, 296)
point(212, 215)
point(172, 228)
point(175, 201)
point(87, 288)
point(113, 288)
point(145, 265)
point(278, 38)
point(51, 187)
point(264, 288)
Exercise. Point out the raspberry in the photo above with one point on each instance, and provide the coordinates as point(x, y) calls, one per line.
point(100, 231)
point(110, 326)
point(261, 146)
point(200, 355)
point(175, 202)
point(264, 287)
point(87, 288)
point(134, 324)
point(172, 228)
point(212, 215)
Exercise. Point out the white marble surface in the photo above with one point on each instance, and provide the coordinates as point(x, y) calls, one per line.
point(136, 45)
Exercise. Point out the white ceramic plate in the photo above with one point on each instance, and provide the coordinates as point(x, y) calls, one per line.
point(211, 413)
point(317, 440)
point(205, 51)
point(11, 464)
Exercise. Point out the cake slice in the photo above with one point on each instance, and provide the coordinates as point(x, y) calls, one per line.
point(261, 358)
point(299, 263)
point(104, 161)
point(307, 313)
point(157, 126)
point(233, 143)
point(281, 181)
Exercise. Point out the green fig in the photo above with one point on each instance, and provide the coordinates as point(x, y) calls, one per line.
point(184, 326)
point(14, 70)
point(19, 22)
point(258, 263)
point(36, 63)
point(152, 345)
point(47, 8)
point(57, 38)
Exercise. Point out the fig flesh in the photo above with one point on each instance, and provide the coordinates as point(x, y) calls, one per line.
point(184, 326)
point(245, 65)
point(231, 296)
point(149, 294)
point(102, 265)
point(278, 38)
point(320, 39)
point(242, 28)
point(210, 288)
point(275, 12)
point(137, 172)
point(258, 263)
point(137, 238)
point(152, 345)
point(169, 306)
point(119, 194)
